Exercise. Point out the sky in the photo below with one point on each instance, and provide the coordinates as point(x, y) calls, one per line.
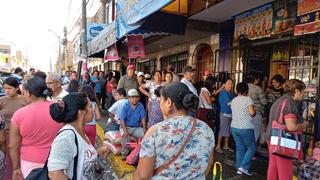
point(27, 22)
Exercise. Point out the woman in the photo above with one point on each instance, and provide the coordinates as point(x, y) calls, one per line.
point(9, 104)
point(32, 130)
point(96, 80)
point(206, 101)
point(73, 86)
point(225, 97)
point(165, 139)
point(111, 88)
point(275, 91)
point(75, 110)
point(141, 82)
point(90, 128)
point(279, 167)
point(259, 99)
point(242, 129)
point(168, 78)
point(154, 113)
point(2, 148)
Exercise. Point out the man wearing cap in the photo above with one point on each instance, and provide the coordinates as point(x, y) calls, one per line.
point(188, 75)
point(171, 68)
point(132, 116)
point(128, 81)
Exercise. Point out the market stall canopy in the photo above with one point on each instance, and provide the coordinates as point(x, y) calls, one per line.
point(226, 9)
point(179, 7)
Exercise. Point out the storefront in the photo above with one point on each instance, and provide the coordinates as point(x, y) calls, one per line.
point(276, 46)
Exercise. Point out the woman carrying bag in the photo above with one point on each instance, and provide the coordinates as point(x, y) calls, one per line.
point(285, 116)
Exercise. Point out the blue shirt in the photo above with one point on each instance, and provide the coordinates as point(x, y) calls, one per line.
point(225, 99)
point(98, 85)
point(132, 117)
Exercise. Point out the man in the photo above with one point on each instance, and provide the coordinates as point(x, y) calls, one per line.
point(115, 109)
point(32, 71)
point(171, 69)
point(66, 79)
point(188, 75)
point(18, 74)
point(103, 85)
point(132, 116)
point(41, 75)
point(129, 81)
point(54, 82)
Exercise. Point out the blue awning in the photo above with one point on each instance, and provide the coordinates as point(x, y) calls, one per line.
point(131, 14)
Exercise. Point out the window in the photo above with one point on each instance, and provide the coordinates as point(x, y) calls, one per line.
point(179, 61)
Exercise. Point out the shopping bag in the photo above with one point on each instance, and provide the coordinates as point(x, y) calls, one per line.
point(133, 157)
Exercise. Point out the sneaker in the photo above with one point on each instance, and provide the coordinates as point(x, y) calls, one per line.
point(239, 172)
point(246, 172)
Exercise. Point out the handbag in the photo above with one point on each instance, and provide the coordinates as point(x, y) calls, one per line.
point(175, 157)
point(211, 115)
point(284, 143)
point(42, 173)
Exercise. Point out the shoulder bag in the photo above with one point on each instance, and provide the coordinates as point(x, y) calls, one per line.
point(284, 143)
point(42, 173)
point(175, 157)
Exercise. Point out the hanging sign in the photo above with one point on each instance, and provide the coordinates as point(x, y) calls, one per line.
point(254, 24)
point(308, 20)
point(111, 53)
point(284, 16)
point(135, 46)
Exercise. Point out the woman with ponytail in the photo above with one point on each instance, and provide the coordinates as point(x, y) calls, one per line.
point(180, 147)
point(32, 130)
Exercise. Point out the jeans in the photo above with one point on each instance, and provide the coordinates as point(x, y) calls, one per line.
point(245, 146)
point(110, 100)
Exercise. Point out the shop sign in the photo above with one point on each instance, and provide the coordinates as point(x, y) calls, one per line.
point(284, 16)
point(130, 14)
point(254, 24)
point(111, 53)
point(94, 29)
point(106, 38)
point(135, 46)
point(308, 20)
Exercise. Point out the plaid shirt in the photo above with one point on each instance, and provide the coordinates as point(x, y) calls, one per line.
point(309, 170)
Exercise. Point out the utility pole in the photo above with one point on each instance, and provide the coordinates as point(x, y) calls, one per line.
point(84, 39)
point(65, 43)
point(59, 53)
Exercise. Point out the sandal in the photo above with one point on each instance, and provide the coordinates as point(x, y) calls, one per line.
point(219, 150)
point(228, 149)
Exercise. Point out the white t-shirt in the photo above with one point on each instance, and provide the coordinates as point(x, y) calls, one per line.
point(116, 109)
point(62, 94)
point(241, 118)
point(203, 102)
point(152, 86)
point(190, 86)
point(63, 150)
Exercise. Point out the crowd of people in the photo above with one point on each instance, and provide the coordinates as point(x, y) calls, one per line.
point(44, 124)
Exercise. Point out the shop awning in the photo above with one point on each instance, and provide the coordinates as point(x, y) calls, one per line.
point(131, 14)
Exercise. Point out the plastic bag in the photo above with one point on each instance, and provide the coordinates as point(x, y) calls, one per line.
point(115, 148)
point(113, 136)
point(133, 157)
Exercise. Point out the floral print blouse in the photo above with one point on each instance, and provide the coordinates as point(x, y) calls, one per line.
point(167, 140)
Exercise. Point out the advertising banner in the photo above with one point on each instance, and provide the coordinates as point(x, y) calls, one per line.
point(284, 16)
point(130, 14)
point(135, 46)
point(308, 20)
point(111, 53)
point(254, 24)
point(94, 29)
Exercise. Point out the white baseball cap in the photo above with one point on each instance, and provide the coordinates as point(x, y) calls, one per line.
point(140, 74)
point(133, 93)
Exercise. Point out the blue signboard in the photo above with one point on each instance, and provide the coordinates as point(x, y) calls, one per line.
point(131, 14)
point(93, 30)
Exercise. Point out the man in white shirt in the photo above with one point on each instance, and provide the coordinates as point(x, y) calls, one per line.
point(54, 82)
point(115, 109)
point(188, 75)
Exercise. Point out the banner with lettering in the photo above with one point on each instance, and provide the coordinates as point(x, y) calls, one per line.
point(111, 53)
point(94, 29)
point(284, 16)
point(135, 46)
point(130, 14)
point(254, 24)
point(308, 20)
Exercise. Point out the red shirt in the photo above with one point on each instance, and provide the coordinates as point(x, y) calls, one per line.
point(109, 86)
